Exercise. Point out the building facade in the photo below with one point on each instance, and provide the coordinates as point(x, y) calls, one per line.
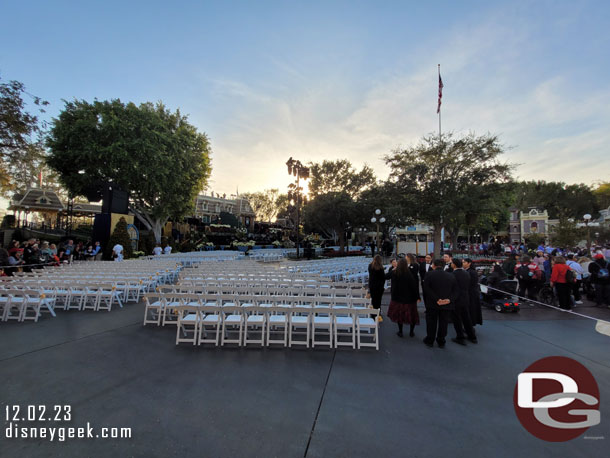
point(524, 224)
point(208, 209)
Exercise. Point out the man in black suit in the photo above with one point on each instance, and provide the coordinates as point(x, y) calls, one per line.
point(441, 292)
point(447, 262)
point(424, 267)
point(461, 311)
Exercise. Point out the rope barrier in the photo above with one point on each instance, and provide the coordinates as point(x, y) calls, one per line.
point(550, 306)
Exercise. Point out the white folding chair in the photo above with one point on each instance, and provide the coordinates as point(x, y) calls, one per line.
point(187, 329)
point(153, 310)
point(322, 320)
point(299, 320)
point(365, 321)
point(277, 317)
point(255, 321)
point(232, 318)
point(344, 320)
point(211, 323)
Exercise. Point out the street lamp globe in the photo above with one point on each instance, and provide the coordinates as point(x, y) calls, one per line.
point(382, 220)
point(373, 220)
point(587, 217)
point(378, 212)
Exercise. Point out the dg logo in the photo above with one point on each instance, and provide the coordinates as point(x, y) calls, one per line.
point(557, 399)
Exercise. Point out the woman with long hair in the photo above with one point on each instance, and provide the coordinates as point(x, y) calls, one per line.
point(405, 294)
point(413, 266)
point(376, 282)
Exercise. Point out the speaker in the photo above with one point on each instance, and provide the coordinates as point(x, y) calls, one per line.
point(101, 228)
point(115, 200)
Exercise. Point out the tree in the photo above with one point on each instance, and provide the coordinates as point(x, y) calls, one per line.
point(438, 175)
point(264, 203)
point(120, 236)
point(602, 195)
point(328, 213)
point(153, 153)
point(567, 234)
point(557, 198)
point(339, 176)
point(20, 136)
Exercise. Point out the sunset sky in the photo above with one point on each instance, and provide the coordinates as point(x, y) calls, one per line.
point(321, 80)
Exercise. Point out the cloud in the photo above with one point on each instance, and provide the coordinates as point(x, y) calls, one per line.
point(551, 126)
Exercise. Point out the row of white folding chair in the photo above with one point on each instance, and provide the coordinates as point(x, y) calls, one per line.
point(270, 290)
point(196, 323)
point(160, 308)
point(88, 296)
point(16, 304)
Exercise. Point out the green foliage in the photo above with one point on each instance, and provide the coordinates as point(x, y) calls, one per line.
point(228, 218)
point(533, 241)
point(567, 233)
point(557, 198)
point(602, 195)
point(329, 213)
point(339, 176)
point(155, 154)
point(443, 179)
point(264, 203)
point(120, 236)
point(21, 152)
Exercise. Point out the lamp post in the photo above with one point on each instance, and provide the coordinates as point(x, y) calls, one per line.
point(377, 220)
point(587, 218)
point(299, 171)
point(347, 235)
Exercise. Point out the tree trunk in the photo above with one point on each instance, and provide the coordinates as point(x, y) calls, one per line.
point(157, 230)
point(437, 240)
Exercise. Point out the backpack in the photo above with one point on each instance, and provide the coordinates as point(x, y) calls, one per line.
point(524, 273)
point(570, 276)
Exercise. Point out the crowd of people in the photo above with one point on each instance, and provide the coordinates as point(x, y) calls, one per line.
point(565, 272)
point(449, 288)
point(33, 253)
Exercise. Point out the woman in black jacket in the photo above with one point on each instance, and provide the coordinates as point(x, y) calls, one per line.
point(376, 282)
point(405, 294)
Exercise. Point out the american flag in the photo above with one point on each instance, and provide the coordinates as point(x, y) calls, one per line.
point(440, 93)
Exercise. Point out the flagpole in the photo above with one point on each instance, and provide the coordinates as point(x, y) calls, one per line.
point(439, 108)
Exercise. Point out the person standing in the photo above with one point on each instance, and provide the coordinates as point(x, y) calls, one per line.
point(598, 269)
point(447, 260)
point(474, 293)
point(559, 281)
point(424, 267)
point(461, 312)
point(572, 264)
point(157, 250)
point(441, 292)
point(376, 283)
point(528, 274)
point(167, 249)
point(413, 267)
point(117, 252)
point(405, 294)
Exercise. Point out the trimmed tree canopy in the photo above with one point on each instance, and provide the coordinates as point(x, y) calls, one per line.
point(153, 153)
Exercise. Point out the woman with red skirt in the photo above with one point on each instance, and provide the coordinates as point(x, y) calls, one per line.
point(405, 294)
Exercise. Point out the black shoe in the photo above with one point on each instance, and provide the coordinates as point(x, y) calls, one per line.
point(441, 345)
point(473, 340)
point(399, 334)
point(411, 334)
point(428, 343)
point(458, 341)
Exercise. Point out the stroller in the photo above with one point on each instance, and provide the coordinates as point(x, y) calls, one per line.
point(499, 293)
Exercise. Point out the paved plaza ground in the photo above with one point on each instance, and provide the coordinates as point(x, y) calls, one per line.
point(404, 400)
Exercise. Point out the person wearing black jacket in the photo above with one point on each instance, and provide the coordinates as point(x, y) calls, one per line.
point(376, 282)
point(441, 292)
point(413, 267)
point(600, 279)
point(405, 294)
point(424, 267)
point(474, 293)
point(461, 311)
